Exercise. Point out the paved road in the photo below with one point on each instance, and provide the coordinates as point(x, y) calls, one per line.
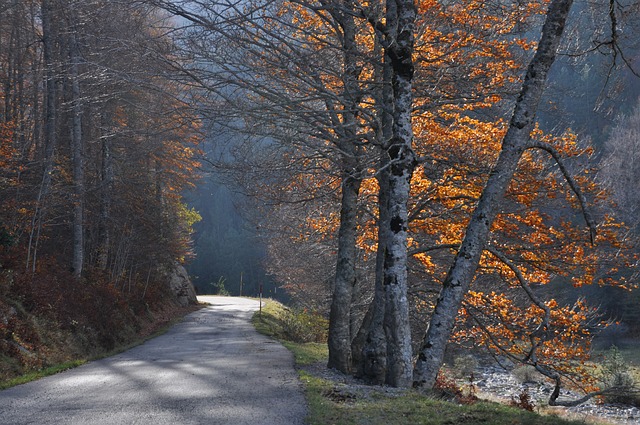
point(213, 368)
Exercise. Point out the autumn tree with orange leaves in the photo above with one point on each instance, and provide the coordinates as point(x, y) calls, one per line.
point(449, 181)
point(519, 138)
point(302, 79)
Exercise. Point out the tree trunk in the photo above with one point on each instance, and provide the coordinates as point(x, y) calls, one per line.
point(372, 358)
point(340, 320)
point(373, 365)
point(462, 271)
point(77, 154)
point(340, 335)
point(49, 133)
point(106, 177)
point(340, 315)
point(400, 19)
point(369, 348)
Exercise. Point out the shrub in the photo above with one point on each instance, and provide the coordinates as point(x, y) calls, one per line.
point(300, 325)
point(219, 287)
point(464, 366)
point(449, 389)
point(526, 374)
point(615, 374)
point(523, 401)
point(48, 318)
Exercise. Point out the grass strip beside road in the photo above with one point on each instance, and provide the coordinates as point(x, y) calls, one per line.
point(32, 376)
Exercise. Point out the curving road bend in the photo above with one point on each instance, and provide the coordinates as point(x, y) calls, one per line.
point(213, 368)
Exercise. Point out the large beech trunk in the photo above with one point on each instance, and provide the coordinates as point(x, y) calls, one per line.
point(515, 142)
point(372, 363)
point(401, 16)
point(340, 318)
point(370, 346)
point(340, 315)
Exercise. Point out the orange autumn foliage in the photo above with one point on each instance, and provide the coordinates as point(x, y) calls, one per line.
point(511, 329)
point(541, 232)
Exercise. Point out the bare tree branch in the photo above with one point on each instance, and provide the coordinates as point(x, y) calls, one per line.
point(433, 248)
point(572, 184)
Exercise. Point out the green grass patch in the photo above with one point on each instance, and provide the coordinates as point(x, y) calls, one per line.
point(291, 324)
point(268, 320)
point(308, 353)
point(274, 321)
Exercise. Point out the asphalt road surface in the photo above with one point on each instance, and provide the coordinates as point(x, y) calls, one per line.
point(213, 368)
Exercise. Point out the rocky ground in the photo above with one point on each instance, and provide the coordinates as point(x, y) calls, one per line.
point(498, 384)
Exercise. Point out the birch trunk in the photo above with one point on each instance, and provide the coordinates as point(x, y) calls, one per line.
point(401, 16)
point(515, 142)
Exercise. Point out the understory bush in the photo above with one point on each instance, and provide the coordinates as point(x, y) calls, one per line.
point(616, 374)
point(447, 388)
point(523, 401)
point(219, 288)
point(527, 374)
point(301, 325)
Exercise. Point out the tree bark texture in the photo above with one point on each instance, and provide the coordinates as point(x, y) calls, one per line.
point(401, 16)
point(370, 346)
point(340, 317)
point(50, 140)
point(516, 140)
point(373, 350)
point(78, 157)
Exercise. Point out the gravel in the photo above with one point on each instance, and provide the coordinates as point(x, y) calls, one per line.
point(500, 384)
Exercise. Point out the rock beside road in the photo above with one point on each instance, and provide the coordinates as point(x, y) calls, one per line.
point(181, 286)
